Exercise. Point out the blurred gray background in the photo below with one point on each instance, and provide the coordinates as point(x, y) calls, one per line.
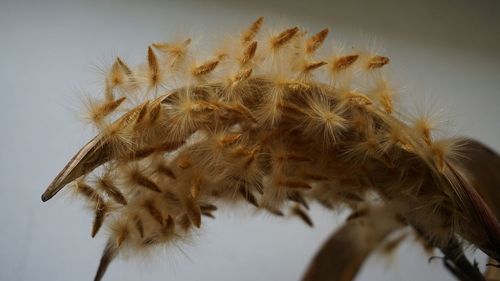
point(445, 54)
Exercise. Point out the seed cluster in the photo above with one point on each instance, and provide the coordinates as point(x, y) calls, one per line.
point(266, 122)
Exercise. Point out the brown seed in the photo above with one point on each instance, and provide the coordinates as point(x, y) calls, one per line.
point(174, 49)
point(344, 62)
point(143, 181)
point(115, 76)
point(275, 212)
point(113, 191)
point(248, 196)
point(150, 241)
point(439, 156)
point(153, 211)
point(193, 212)
point(386, 102)
point(424, 127)
point(204, 107)
point(248, 53)
point(297, 197)
point(169, 222)
point(230, 139)
point(122, 235)
point(325, 203)
point(88, 192)
point(316, 41)
point(100, 211)
point(298, 85)
point(250, 33)
point(205, 68)
point(302, 215)
point(251, 157)
point(377, 62)
point(112, 105)
point(128, 72)
point(196, 187)
point(124, 67)
point(207, 214)
point(108, 90)
point(142, 113)
point(154, 112)
point(109, 253)
point(154, 68)
point(313, 65)
point(242, 75)
point(168, 225)
point(284, 37)
point(359, 97)
point(208, 207)
point(105, 109)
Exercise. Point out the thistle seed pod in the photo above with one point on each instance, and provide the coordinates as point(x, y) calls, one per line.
point(272, 124)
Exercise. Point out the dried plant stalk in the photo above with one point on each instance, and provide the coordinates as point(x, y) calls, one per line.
point(257, 125)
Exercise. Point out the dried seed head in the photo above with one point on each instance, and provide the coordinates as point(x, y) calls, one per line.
point(263, 130)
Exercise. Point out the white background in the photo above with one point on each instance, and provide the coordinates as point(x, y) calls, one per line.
point(444, 52)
